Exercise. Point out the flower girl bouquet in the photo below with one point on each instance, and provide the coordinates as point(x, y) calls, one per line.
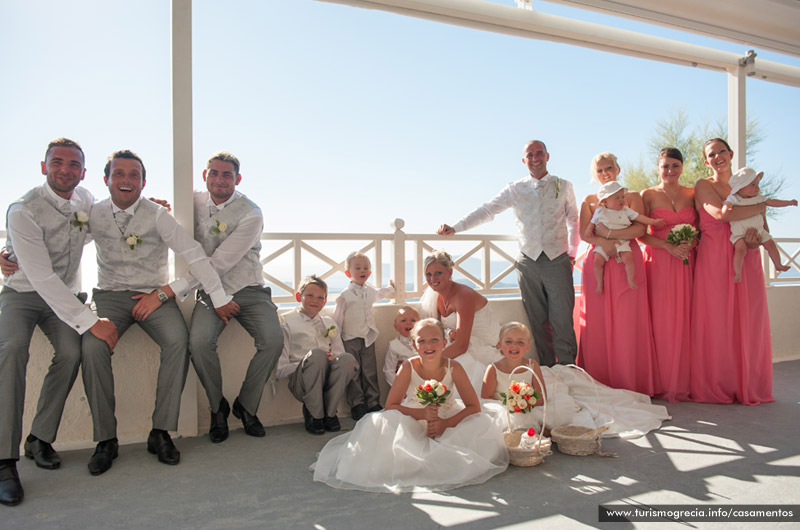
point(520, 397)
point(432, 392)
point(680, 233)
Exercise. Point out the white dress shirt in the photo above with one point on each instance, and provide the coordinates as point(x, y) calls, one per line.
point(400, 349)
point(176, 238)
point(354, 313)
point(247, 233)
point(32, 256)
point(301, 334)
point(546, 214)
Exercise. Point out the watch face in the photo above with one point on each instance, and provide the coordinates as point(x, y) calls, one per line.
point(162, 295)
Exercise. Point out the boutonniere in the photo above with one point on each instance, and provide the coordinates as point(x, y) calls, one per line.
point(331, 333)
point(558, 187)
point(132, 240)
point(80, 220)
point(219, 228)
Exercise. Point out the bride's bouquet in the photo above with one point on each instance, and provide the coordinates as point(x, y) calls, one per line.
point(520, 397)
point(432, 392)
point(680, 233)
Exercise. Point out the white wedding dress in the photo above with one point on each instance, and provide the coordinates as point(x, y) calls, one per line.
point(482, 350)
point(391, 452)
point(572, 401)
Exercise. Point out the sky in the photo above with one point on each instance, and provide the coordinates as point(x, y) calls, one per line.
point(345, 119)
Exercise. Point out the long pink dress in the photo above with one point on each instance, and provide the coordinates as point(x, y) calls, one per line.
point(731, 346)
point(669, 288)
point(616, 338)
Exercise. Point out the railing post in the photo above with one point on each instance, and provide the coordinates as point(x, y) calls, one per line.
point(399, 261)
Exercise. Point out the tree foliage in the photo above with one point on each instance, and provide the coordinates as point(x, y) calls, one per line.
point(675, 131)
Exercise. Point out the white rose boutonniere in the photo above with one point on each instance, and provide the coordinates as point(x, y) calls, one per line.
point(220, 228)
point(80, 220)
point(331, 333)
point(132, 240)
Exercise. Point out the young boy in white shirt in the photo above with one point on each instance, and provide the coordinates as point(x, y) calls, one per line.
point(355, 317)
point(314, 360)
point(400, 348)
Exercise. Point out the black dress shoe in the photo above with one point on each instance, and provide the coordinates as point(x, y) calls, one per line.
point(252, 425)
point(159, 443)
point(358, 411)
point(103, 456)
point(42, 453)
point(331, 424)
point(11, 492)
point(375, 408)
point(219, 422)
point(313, 425)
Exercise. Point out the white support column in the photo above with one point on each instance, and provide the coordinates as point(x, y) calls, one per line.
point(398, 265)
point(737, 116)
point(183, 203)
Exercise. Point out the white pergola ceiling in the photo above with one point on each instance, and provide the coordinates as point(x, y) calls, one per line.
point(767, 24)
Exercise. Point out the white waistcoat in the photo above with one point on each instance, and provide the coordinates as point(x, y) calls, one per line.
point(248, 271)
point(119, 267)
point(304, 335)
point(64, 241)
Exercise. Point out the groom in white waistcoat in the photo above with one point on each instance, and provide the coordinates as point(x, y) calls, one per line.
point(46, 233)
point(132, 235)
point(229, 225)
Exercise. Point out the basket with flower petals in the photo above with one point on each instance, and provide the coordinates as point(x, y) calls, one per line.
point(521, 455)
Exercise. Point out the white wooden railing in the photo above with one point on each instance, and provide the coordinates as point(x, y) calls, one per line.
point(322, 254)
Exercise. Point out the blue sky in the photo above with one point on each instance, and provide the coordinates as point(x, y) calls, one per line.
point(345, 118)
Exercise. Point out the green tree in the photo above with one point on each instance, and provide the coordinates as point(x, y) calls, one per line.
point(675, 131)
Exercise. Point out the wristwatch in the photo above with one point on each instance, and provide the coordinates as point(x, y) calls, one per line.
point(162, 296)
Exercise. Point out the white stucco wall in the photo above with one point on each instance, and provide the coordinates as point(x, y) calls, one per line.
point(135, 365)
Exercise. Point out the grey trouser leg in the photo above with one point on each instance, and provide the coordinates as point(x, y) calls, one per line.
point(320, 384)
point(168, 329)
point(259, 317)
point(364, 389)
point(19, 314)
point(548, 295)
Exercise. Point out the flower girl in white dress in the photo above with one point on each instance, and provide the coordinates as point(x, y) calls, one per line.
point(415, 447)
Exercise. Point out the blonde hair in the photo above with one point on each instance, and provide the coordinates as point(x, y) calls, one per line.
point(596, 160)
point(514, 325)
point(313, 280)
point(403, 310)
point(353, 255)
point(441, 257)
point(424, 323)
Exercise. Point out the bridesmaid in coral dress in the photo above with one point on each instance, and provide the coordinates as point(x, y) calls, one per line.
point(616, 340)
point(731, 347)
point(669, 281)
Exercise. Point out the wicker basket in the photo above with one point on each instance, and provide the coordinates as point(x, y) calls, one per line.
point(577, 440)
point(518, 456)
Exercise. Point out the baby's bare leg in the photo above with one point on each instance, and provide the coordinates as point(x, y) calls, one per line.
point(630, 268)
point(739, 250)
point(599, 265)
point(775, 255)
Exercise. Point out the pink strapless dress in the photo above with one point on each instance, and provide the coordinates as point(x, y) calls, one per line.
point(669, 288)
point(731, 346)
point(616, 340)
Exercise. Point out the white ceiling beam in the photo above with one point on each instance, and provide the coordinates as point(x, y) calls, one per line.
point(509, 20)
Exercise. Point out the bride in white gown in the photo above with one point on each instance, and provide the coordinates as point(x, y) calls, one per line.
point(463, 311)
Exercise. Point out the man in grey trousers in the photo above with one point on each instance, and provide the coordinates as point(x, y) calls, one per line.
point(46, 232)
point(547, 217)
point(132, 235)
point(228, 225)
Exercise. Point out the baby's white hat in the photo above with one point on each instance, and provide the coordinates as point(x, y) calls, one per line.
point(608, 189)
point(743, 177)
